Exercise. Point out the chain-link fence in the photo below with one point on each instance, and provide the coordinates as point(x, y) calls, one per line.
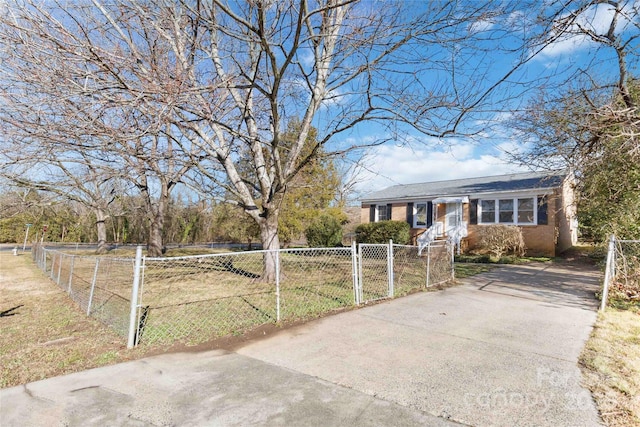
point(413, 271)
point(197, 297)
point(101, 286)
point(622, 272)
point(192, 299)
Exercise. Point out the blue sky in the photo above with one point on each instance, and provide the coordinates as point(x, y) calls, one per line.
point(430, 159)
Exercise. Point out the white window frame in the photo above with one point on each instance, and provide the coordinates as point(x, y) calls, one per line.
point(378, 212)
point(514, 199)
point(534, 210)
point(480, 221)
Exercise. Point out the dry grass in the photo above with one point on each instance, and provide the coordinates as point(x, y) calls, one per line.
point(44, 333)
point(611, 366)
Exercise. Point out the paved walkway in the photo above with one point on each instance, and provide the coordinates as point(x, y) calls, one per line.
point(501, 349)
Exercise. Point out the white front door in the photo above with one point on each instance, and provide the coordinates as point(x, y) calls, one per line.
point(452, 217)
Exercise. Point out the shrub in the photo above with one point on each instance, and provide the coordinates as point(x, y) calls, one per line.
point(383, 231)
point(501, 239)
point(324, 232)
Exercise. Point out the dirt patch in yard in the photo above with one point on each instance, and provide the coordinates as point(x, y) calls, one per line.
point(44, 333)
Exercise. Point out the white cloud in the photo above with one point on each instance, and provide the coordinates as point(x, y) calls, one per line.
point(390, 165)
point(481, 26)
point(333, 98)
point(597, 19)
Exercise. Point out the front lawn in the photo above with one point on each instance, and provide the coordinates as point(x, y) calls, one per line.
point(463, 270)
point(610, 365)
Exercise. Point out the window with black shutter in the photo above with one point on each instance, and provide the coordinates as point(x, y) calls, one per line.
point(410, 214)
point(473, 211)
point(543, 218)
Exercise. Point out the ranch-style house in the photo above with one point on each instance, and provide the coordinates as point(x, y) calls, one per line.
point(540, 203)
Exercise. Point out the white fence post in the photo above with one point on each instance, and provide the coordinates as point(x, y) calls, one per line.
point(453, 262)
point(73, 259)
point(277, 257)
point(354, 272)
point(390, 268)
point(360, 273)
point(60, 259)
point(93, 285)
point(608, 272)
point(53, 263)
point(137, 267)
point(428, 262)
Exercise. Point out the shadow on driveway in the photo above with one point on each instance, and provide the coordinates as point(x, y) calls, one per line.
point(557, 284)
point(499, 350)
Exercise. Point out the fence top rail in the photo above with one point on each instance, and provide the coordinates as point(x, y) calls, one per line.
point(187, 257)
point(337, 249)
point(627, 241)
point(432, 244)
point(110, 258)
point(200, 256)
point(261, 251)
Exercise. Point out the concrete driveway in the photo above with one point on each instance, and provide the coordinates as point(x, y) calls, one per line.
point(501, 349)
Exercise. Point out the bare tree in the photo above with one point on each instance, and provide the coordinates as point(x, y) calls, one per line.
point(156, 167)
point(590, 121)
point(74, 179)
point(567, 123)
point(226, 77)
point(72, 101)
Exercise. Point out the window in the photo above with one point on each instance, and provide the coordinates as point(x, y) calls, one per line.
point(421, 215)
point(379, 213)
point(384, 212)
point(488, 209)
point(505, 214)
point(525, 211)
point(509, 211)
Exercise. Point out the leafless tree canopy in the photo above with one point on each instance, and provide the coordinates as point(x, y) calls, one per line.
point(212, 84)
point(569, 120)
point(163, 92)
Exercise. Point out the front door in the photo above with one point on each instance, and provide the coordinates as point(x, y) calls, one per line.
point(452, 217)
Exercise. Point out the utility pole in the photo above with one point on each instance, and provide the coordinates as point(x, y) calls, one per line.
point(26, 235)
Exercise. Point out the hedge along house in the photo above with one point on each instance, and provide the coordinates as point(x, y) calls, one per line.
point(540, 203)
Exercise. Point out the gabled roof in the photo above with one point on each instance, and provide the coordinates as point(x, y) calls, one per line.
point(469, 186)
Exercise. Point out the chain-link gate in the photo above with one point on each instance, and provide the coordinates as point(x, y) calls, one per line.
point(374, 271)
point(439, 262)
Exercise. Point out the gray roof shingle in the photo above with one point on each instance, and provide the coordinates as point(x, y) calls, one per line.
point(469, 186)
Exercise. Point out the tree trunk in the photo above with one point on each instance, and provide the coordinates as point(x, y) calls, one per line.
point(155, 248)
point(271, 243)
point(101, 227)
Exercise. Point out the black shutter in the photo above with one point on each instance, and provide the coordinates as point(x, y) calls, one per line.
point(473, 211)
point(543, 218)
point(429, 214)
point(372, 213)
point(389, 212)
point(410, 214)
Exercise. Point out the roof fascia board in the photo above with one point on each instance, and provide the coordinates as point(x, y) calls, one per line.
point(524, 192)
point(532, 192)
